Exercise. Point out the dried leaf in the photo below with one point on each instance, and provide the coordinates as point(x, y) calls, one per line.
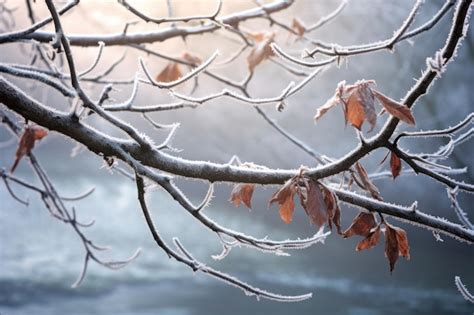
point(261, 51)
point(336, 219)
point(287, 209)
point(362, 224)
point(171, 72)
point(30, 135)
point(395, 165)
point(191, 58)
point(326, 107)
point(354, 111)
point(370, 241)
point(398, 110)
point(391, 247)
point(284, 197)
point(315, 205)
point(298, 27)
point(396, 244)
point(367, 99)
point(332, 205)
point(402, 240)
point(242, 193)
point(320, 203)
point(360, 105)
point(368, 185)
point(333, 101)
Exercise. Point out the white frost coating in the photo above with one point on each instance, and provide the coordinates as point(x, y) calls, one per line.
point(239, 97)
point(248, 289)
point(416, 218)
point(280, 53)
point(96, 61)
point(166, 144)
point(462, 216)
point(264, 244)
point(128, 103)
point(463, 290)
point(225, 251)
point(436, 64)
point(183, 79)
point(437, 237)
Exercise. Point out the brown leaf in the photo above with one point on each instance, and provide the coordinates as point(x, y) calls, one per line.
point(315, 205)
point(367, 100)
point(368, 185)
point(391, 247)
point(336, 219)
point(261, 51)
point(332, 205)
point(298, 27)
point(370, 241)
point(395, 165)
point(284, 197)
point(362, 224)
point(287, 209)
point(398, 110)
point(30, 135)
point(396, 244)
point(242, 193)
point(354, 111)
point(191, 58)
point(171, 72)
point(360, 105)
point(402, 240)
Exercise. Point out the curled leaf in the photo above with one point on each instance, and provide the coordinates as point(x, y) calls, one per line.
point(354, 111)
point(396, 109)
point(284, 197)
point(370, 240)
point(362, 224)
point(359, 104)
point(242, 193)
point(320, 203)
point(367, 183)
point(402, 240)
point(30, 135)
point(395, 165)
point(314, 204)
point(333, 101)
point(367, 99)
point(287, 209)
point(396, 244)
point(326, 107)
point(333, 210)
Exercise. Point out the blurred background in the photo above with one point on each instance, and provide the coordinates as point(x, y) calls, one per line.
point(40, 257)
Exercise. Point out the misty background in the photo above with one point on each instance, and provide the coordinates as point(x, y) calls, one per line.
point(40, 257)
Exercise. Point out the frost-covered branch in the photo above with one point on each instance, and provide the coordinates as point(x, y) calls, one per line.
point(327, 181)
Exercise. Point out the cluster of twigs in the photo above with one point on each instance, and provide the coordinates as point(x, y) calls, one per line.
point(151, 162)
